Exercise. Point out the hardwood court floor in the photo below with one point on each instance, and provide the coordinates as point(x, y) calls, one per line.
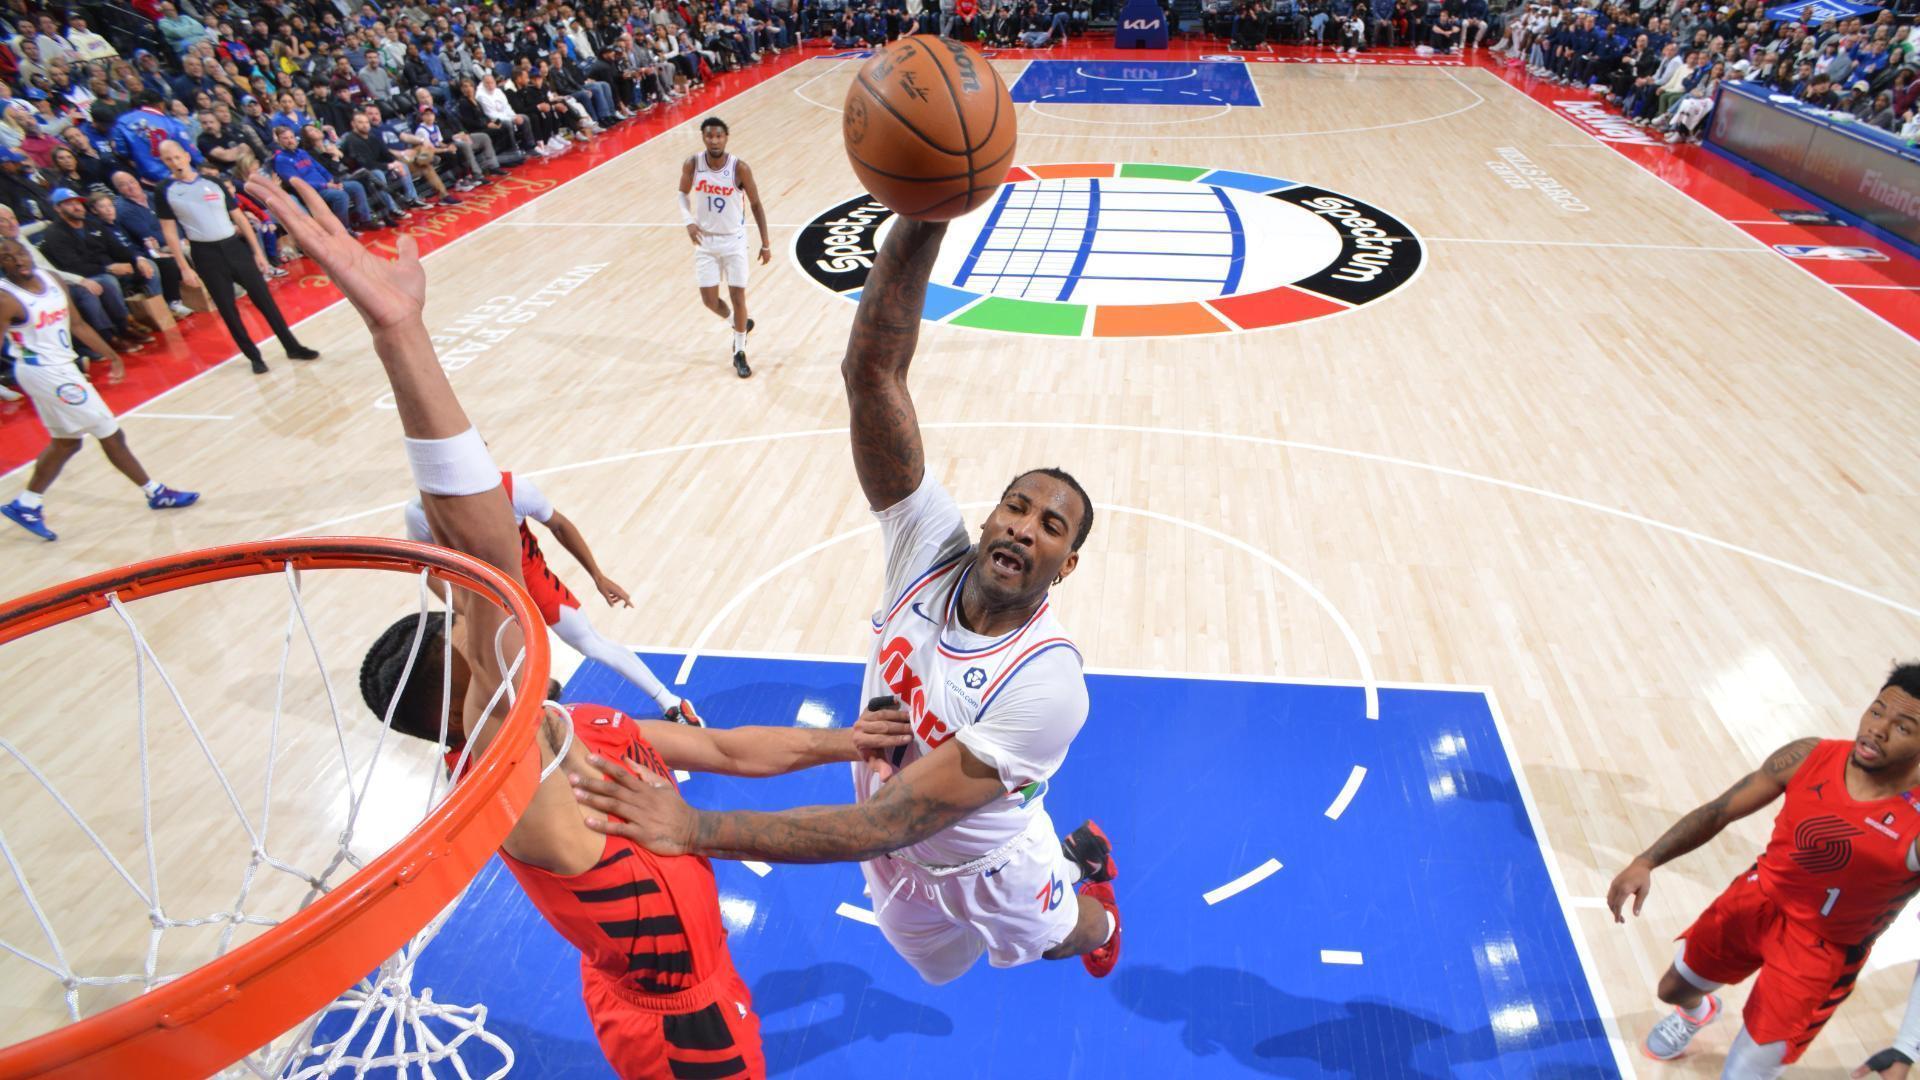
point(1650, 484)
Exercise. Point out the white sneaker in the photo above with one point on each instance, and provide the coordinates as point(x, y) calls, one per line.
point(1669, 1037)
point(180, 310)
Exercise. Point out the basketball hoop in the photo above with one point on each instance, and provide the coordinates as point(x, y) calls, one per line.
point(306, 965)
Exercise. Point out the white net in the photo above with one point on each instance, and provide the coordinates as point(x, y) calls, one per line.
point(209, 808)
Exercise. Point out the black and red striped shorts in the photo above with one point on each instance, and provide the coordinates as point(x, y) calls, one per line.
point(707, 1033)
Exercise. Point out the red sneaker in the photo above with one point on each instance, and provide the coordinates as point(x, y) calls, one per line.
point(1101, 960)
point(1088, 848)
point(683, 714)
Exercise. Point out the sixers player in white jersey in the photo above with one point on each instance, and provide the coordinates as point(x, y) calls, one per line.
point(715, 189)
point(558, 606)
point(953, 836)
point(36, 314)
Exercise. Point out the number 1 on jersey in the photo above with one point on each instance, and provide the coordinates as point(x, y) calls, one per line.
point(1833, 897)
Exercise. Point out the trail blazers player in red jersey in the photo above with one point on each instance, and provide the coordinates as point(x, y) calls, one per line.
point(1841, 864)
point(661, 990)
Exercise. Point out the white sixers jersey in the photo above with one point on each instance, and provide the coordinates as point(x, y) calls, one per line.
point(45, 338)
point(1015, 701)
point(719, 208)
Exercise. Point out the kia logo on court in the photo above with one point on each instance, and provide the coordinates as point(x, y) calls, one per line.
point(1135, 249)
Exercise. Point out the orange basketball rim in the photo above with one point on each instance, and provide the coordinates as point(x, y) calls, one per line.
point(211, 1017)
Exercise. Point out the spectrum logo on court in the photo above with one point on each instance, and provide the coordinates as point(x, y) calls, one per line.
point(1135, 250)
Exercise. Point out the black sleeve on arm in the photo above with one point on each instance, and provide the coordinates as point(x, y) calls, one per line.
point(162, 208)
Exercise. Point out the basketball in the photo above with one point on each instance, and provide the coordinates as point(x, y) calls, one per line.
point(929, 128)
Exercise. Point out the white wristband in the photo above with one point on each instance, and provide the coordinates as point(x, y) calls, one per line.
point(459, 465)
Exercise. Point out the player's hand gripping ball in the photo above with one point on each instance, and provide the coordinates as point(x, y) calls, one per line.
point(929, 128)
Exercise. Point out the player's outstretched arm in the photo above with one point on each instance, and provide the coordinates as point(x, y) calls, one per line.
point(887, 453)
point(571, 538)
point(774, 751)
point(390, 297)
point(1703, 823)
point(927, 796)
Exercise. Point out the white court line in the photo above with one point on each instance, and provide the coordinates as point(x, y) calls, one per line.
point(1253, 440)
point(1033, 107)
point(448, 246)
point(1341, 956)
point(1339, 621)
point(1588, 902)
point(1621, 1057)
point(759, 869)
point(1691, 197)
point(1590, 244)
point(178, 416)
point(739, 597)
point(1242, 883)
point(1347, 793)
point(1192, 72)
point(1132, 673)
point(857, 914)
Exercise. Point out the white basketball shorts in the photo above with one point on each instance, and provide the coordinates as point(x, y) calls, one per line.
point(712, 266)
point(67, 403)
point(1013, 912)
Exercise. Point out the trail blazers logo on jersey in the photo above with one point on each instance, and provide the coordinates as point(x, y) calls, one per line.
point(907, 687)
point(1823, 844)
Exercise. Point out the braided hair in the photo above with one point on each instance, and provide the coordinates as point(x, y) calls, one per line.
point(418, 711)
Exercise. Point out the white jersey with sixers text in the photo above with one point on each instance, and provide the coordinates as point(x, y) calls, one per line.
point(45, 337)
point(719, 207)
point(1014, 701)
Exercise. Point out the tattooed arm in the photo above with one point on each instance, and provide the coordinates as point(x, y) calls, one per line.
point(927, 796)
point(887, 454)
point(1703, 823)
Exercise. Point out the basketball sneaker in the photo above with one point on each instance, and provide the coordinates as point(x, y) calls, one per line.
point(1088, 848)
point(33, 519)
point(1100, 961)
point(301, 352)
point(1669, 1037)
point(683, 714)
point(169, 499)
point(740, 367)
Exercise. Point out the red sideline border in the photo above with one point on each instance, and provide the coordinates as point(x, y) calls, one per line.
point(200, 342)
point(1889, 288)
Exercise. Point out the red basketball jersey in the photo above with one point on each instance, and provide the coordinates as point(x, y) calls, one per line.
point(650, 921)
point(532, 562)
point(1835, 864)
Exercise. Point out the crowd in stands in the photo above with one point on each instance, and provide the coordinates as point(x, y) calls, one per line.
point(1662, 66)
point(384, 108)
point(1660, 61)
point(1029, 24)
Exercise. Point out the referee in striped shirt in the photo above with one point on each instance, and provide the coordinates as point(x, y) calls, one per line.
point(223, 252)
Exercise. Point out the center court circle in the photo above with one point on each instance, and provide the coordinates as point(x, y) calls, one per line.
point(1135, 250)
